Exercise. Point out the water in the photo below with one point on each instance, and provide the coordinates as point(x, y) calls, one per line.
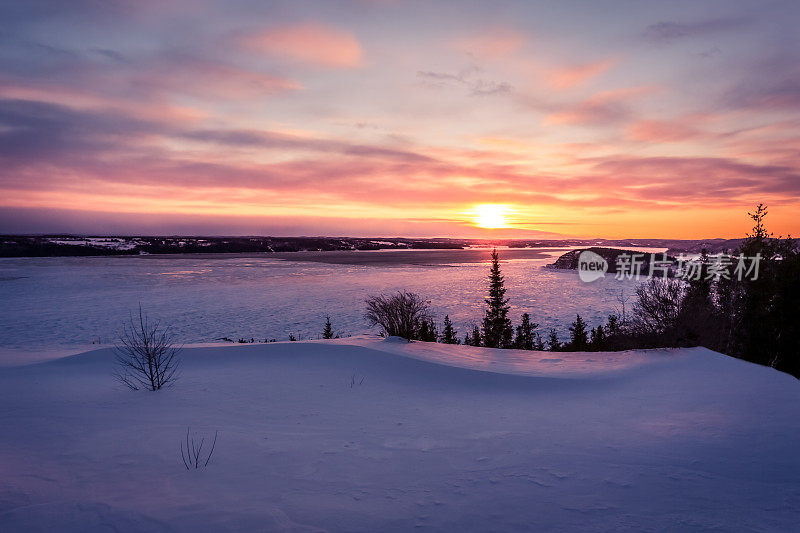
point(62, 302)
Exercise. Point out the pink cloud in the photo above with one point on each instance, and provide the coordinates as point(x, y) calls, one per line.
point(205, 77)
point(607, 107)
point(493, 44)
point(54, 152)
point(310, 43)
point(662, 131)
point(570, 76)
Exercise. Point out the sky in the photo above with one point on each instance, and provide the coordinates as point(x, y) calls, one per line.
point(616, 119)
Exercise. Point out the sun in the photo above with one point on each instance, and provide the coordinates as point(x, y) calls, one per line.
point(490, 216)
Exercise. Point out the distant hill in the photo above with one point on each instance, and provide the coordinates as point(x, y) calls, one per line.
point(673, 246)
point(72, 245)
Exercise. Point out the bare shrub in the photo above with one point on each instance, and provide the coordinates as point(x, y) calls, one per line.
point(146, 356)
point(192, 457)
point(356, 379)
point(658, 306)
point(399, 315)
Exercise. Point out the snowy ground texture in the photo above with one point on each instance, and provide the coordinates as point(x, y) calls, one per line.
point(435, 438)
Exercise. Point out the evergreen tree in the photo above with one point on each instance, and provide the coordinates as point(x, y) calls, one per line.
point(578, 337)
point(327, 333)
point(427, 330)
point(518, 338)
point(612, 328)
point(598, 338)
point(433, 332)
point(477, 338)
point(698, 322)
point(539, 344)
point(449, 335)
point(758, 240)
point(497, 329)
point(763, 324)
point(474, 339)
point(525, 337)
point(552, 341)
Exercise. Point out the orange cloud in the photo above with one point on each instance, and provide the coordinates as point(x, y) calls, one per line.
point(607, 107)
point(568, 77)
point(311, 43)
point(661, 131)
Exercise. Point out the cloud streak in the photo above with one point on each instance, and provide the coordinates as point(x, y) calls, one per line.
point(310, 43)
point(668, 32)
point(468, 78)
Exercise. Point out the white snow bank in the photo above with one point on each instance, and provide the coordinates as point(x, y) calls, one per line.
point(520, 362)
point(348, 435)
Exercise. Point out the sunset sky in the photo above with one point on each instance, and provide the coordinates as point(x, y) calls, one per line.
point(382, 118)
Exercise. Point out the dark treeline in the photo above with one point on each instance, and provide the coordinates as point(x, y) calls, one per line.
point(67, 245)
point(752, 318)
point(72, 245)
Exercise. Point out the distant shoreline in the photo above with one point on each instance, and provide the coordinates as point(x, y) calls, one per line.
point(82, 246)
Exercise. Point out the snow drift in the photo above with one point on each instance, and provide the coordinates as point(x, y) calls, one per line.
point(377, 435)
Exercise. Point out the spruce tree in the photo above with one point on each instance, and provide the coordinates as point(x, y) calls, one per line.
point(552, 341)
point(518, 342)
point(327, 333)
point(613, 327)
point(474, 339)
point(477, 338)
point(427, 330)
point(433, 332)
point(449, 335)
point(578, 337)
point(598, 338)
point(497, 330)
point(539, 344)
point(525, 337)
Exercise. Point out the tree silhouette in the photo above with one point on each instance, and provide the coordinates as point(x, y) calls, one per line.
point(578, 337)
point(598, 338)
point(475, 338)
point(427, 331)
point(400, 315)
point(146, 355)
point(497, 330)
point(449, 335)
point(539, 344)
point(553, 343)
point(525, 339)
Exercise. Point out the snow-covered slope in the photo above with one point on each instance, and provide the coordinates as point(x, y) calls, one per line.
point(428, 439)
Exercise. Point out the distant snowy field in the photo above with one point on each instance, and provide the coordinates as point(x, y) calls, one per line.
point(429, 438)
point(72, 302)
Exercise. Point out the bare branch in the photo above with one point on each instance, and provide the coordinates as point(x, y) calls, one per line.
point(398, 314)
point(146, 355)
point(193, 456)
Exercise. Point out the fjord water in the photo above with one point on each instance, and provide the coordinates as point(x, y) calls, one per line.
point(59, 302)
